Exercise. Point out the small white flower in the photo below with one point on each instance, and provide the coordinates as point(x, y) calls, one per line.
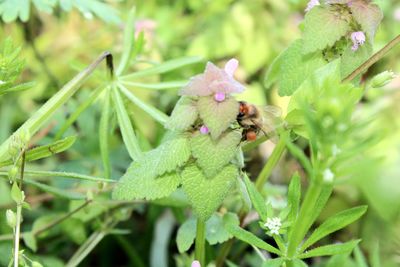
point(311, 4)
point(328, 176)
point(273, 225)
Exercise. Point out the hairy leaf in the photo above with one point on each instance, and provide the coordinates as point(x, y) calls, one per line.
point(294, 194)
point(351, 60)
point(215, 229)
point(213, 155)
point(206, 195)
point(186, 234)
point(248, 237)
point(139, 183)
point(257, 199)
point(368, 15)
point(329, 250)
point(296, 67)
point(217, 116)
point(322, 28)
point(334, 223)
point(184, 114)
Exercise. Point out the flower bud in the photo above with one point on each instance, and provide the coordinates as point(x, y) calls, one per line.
point(12, 173)
point(382, 79)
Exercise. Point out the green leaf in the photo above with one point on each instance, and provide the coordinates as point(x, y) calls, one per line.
point(215, 228)
point(257, 199)
point(16, 194)
point(164, 67)
point(153, 175)
point(296, 67)
point(360, 259)
point(329, 250)
point(213, 155)
point(156, 86)
point(334, 223)
point(152, 111)
point(167, 157)
point(45, 151)
point(351, 60)
point(206, 195)
point(30, 241)
point(139, 183)
point(217, 116)
point(104, 11)
point(55, 191)
point(248, 237)
point(128, 135)
point(104, 133)
point(277, 262)
point(322, 28)
point(186, 235)
point(368, 15)
point(10, 10)
point(299, 263)
point(274, 70)
point(129, 42)
point(294, 194)
point(45, 112)
point(184, 114)
point(74, 229)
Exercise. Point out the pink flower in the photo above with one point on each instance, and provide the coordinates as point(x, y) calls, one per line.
point(219, 97)
point(358, 38)
point(311, 4)
point(204, 129)
point(214, 81)
point(196, 264)
point(147, 26)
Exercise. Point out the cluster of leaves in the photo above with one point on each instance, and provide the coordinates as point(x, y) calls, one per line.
point(11, 67)
point(11, 10)
point(326, 36)
point(199, 161)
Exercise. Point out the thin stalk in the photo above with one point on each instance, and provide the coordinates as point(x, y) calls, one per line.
point(200, 242)
point(271, 163)
point(17, 235)
point(98, 236)
point(373, 59)
point(41, 116)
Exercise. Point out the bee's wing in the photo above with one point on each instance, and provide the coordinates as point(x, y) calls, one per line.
point(271, 120)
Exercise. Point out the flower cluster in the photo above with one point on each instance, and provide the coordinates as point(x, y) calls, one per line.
point(273, 225)
point(214, 81)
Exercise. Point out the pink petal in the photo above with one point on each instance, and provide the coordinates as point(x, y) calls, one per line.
point(219, 96)
point(231, 66)
point(196, 264)
point(197, 86)
point(204, 129)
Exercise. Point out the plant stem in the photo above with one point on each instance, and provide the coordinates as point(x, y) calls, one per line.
point(200, 242)
point(271, 163)
point(41, 116)
point(17, 235)
point(373, 59)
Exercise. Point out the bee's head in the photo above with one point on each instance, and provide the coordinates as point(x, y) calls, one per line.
point(243, 109)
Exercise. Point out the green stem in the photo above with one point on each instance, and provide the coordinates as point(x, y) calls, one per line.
point(302, 222)
point(17, 235)
point(271, 163)
point(373, 59)
point(41, 116)
point(200, 242)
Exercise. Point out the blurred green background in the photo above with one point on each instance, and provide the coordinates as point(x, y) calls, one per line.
point(57, 44)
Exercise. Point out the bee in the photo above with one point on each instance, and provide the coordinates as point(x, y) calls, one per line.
point(254, 120)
